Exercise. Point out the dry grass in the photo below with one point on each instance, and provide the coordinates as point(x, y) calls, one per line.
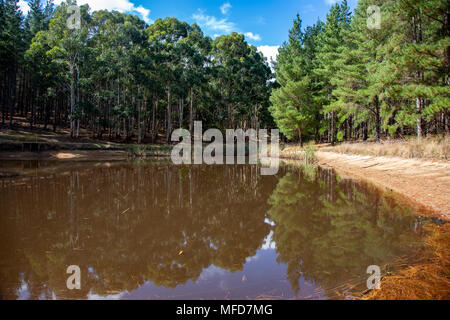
point(307, 154)
point(436, 148)
point(427, 280)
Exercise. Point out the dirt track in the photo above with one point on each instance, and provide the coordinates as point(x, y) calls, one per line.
point(424, 182)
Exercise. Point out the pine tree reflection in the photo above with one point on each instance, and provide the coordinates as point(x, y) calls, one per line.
point(329, 231)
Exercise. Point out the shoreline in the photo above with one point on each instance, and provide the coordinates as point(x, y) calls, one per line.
point(74, 155)
point(423, 182)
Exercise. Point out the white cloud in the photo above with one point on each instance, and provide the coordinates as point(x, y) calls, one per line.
point(23, 6)
point(117, 5)
point(212, 23)
point(255, 37)
point(270, 52)
point(225, 8)
point(145, 13)
point(220, 26)
point(331, 2)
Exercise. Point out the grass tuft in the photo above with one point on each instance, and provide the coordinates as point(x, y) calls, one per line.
point(306, 154)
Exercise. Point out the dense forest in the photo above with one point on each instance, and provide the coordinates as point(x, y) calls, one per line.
point(118, 76)
point(347, 79)
point(123, 79)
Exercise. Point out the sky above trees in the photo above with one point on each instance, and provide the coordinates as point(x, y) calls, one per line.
point(263, 22)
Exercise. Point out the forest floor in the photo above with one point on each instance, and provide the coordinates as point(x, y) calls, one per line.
point(425, 182)
point(46, 145)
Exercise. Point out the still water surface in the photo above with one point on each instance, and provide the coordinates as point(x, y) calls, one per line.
point(151, 230)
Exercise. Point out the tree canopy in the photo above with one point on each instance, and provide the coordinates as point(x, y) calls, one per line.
point(118, 76)
point(344, 79)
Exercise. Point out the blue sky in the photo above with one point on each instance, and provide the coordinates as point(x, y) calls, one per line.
point(265, 23)
point(267, 20)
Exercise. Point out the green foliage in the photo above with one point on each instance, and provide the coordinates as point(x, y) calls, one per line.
point(360, 82)
point(118, 75)
point(293, 107)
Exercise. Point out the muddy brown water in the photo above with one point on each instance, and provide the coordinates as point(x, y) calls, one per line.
point(152, 230)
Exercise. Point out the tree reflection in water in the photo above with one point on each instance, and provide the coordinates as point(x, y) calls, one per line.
point(329, 230)
point(130, 224)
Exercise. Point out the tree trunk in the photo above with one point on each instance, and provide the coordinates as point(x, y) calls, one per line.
point(191, 113)
point(154, 133)
point(300, 135)
point(377, 120)
point(169, 114)
point(181, 112)
point(55, 107)
point(418, 37)
point(139, 124)
point(419, 118)
point(365, 128)
point(32, 101)
point(333, 128)
point(12, 97)
point(72, 99)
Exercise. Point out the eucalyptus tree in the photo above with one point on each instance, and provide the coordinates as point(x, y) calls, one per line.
point(256, 81)
point(165, 41)
point(228, 54)
point(196, 49)
point(115, 73)
point(107, 42)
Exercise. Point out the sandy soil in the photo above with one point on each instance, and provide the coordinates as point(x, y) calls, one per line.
point(424, 182)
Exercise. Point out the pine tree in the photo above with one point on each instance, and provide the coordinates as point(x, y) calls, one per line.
point(360, 85)
point(423, 62)
point(11, 54)
point(292, 104)
point(331, 38)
